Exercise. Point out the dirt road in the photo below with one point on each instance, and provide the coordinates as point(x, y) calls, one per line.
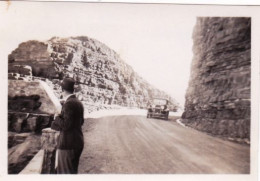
point(135, 144)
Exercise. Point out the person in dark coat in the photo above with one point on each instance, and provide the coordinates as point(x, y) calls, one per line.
point(69, 122)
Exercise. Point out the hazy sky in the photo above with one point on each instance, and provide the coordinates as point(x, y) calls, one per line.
point(156, 40)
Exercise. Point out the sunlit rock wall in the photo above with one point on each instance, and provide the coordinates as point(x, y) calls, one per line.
point(218, 95)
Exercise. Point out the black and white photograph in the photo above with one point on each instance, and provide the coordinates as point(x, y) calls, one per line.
point(129, 89)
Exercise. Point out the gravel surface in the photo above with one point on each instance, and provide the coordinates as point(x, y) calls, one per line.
point(133, 144)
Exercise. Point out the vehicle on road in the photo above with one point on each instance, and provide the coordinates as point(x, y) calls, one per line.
point(158, 109)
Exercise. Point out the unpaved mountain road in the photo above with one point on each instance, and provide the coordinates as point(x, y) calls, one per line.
point(137, 145)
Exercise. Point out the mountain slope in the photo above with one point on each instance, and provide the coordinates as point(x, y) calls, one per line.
point(102, 76)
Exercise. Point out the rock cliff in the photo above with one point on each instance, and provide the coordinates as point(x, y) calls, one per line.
point(218, 96)
point(103, 78)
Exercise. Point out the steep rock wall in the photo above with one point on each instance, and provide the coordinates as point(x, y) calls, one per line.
point(218, 96)
point(102, 77)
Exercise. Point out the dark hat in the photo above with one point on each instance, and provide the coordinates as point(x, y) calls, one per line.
point(68, 84)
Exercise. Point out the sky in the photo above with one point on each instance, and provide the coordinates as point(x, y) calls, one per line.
point(156, 40)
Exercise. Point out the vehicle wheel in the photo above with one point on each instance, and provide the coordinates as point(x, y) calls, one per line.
point(167, 116)
point(148, 116)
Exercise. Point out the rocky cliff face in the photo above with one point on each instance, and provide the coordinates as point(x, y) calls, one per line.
point(102, 77)
point(218, 96)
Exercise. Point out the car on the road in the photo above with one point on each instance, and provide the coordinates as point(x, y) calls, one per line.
point(158, 109)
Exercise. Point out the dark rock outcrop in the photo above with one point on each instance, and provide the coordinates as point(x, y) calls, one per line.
point(218, 96)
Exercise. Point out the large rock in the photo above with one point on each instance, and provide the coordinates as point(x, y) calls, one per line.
point(34, 54)
point(218, 96)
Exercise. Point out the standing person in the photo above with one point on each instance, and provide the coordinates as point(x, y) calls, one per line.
point(69, 122)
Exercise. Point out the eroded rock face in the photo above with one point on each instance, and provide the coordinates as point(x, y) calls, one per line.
point(33, 55)
point(218, 96)
point(102, 76)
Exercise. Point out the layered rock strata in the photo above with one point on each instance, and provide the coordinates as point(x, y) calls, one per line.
point(103, 78)
point(218, 96)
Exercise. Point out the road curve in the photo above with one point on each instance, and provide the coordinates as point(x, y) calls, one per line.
point(137, 145)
